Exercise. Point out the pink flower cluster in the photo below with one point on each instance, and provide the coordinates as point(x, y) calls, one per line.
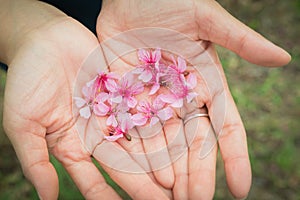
point(108, 96)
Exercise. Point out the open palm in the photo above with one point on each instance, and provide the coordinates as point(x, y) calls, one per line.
point(202, 22)
point(38, 113)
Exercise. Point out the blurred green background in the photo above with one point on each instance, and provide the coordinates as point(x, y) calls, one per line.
point(268, 101)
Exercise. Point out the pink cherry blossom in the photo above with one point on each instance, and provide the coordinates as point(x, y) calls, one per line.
point(112, 120)
point(85, 103)
point(124, 124)
point(90, 103)
point(114, 98)
point(184, 90)
point(154, 113)
point(100, 108)
point(114, 134)
point(156, 83)
point(85, 110)
point(150, 61)
point(125, 91)
point(112, 114)
point(99, 83)
point(179, 66)
point(125, 121)
point(170, 79)
point(166, 76)
point(151, 57)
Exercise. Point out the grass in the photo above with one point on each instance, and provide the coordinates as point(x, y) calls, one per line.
point(268, 101)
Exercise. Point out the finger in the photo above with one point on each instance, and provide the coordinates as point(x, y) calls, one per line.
point(136, 150)
point(218, 26)
point(124, 161)
point(32, 152)
point(227, 124)
point(126, 172)
point(118, 163)
point(82, 170)
point(177, 147)
point(202, 158)
point(233, 146)
point(155, 147)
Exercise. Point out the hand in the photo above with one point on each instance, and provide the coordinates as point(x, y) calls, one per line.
point(44, 56)
point(204, 22)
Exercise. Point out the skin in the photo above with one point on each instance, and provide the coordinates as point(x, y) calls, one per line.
point(205, 22)
point(44, 50)
point(37, 43)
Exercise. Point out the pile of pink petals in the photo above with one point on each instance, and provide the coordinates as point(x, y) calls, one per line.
point(169, 85)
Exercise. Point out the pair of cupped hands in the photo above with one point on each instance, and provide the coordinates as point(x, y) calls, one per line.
point(43, 70)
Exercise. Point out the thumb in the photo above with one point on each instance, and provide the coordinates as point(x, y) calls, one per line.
point(218, 26)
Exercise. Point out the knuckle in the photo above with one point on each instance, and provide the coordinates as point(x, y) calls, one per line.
point(231, 128)
point(96, 190)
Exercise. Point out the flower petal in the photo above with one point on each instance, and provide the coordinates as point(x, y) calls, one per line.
point(128, 79)
point(191, 96)
point(138, 70)
point(87, 92)
point(112, 121)
point(165, 113)
point(153, 121)
point(111, 85)
point(158, 103)
point(122, 107)
point(181, 65)
point(191, 81)
point(137, 88)
point(117, 99)
point(143, 55)
point(156, 55)
point(139, 119)
point(100, 109)
point(85, 112)
point(131, 102)
point(178, 103)
point(101, 97)
point(143, 106)
point(145, 76)
point(182, 78)
point(167, 98)
point(113, 138)
point(155, 87)
point(125, 120)
point(79, 102)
